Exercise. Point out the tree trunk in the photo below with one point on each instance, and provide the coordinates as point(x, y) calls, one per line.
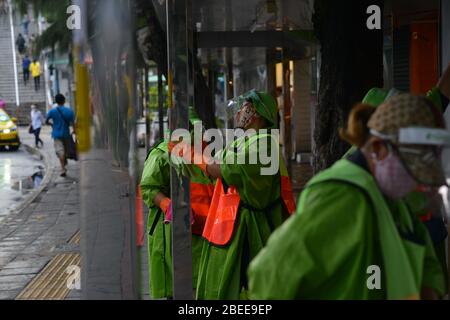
point(351, 64)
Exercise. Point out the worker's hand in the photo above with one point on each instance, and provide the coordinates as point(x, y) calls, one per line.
point(166, 207)
point(444, 82)
point(189, 154)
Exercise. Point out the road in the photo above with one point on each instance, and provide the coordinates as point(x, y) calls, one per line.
point(20, 173)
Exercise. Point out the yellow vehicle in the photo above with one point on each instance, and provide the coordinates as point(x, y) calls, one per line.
point(9, 137)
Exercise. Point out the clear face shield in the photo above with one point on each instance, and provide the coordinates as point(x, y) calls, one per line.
point(234, 106)
point(425, 153)
point(426, 148)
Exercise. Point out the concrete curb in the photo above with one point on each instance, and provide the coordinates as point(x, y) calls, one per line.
point(45, 181)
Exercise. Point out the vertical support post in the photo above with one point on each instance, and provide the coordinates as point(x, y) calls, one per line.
point(146, 94)
point(287, 111)
point(181, 91)
point(444, 60)
point(13, 43)
point(388, 50)
point(229, 85)
point(160, 104)
point(82, 84)
point(445, 34)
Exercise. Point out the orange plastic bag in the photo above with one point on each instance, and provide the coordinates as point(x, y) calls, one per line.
point(201, 196)
point(222, 215)
point(287, 194)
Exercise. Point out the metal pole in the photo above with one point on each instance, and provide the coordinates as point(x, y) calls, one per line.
point(287, 112)
point(181, 94)
point(16, 81)
point(444, 60)
point(160, 104)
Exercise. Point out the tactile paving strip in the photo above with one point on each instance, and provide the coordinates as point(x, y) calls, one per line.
point(52, 282)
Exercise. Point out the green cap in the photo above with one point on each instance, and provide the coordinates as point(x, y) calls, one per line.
point(377, 96)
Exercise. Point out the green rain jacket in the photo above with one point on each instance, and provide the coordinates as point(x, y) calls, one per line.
point(345, 229)
point(222, 273)
point(416, 201)
point(156, 178)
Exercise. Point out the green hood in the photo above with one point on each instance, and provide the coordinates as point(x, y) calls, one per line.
point(265, 105)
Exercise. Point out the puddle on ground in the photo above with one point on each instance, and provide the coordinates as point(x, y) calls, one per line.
point(29, 183)
point(20, 174)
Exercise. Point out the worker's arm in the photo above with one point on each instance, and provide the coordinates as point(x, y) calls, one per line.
point(161, 200)
point(155, 181)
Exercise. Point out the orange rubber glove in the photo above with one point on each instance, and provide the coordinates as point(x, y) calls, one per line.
point(166, 207)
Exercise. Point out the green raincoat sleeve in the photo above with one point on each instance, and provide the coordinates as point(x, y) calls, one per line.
point(304, 260)
point(156, 177)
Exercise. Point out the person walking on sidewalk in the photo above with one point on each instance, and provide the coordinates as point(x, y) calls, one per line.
point(61, 119)
point(26, 62)
point(35, 69)
point(26, 24)
point(37, 119)
point(3, 7)
point(20, 43)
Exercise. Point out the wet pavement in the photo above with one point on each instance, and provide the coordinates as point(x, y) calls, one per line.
point(20, 174)
point(34, 234)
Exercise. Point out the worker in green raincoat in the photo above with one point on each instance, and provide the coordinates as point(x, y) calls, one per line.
point(233, 239)
point(425, 204)
point(155, 185)
point(352, 236)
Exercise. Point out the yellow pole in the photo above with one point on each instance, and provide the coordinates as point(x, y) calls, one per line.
point(83, 125)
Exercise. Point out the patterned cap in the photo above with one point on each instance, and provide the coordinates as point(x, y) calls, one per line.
point(423, 162)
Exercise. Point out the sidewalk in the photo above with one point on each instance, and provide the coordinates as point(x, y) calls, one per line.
point(41, 231)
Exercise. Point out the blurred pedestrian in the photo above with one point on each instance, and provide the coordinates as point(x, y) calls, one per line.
point(3, 7)
point(353, 236)
point(25, 24)
point(35, 69)
point(31, 42)
point(2, 104)
point(61, 118)
point(37, 119)
point(20, 43)
point(26, 62)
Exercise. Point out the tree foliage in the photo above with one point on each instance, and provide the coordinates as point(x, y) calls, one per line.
point(57, 35)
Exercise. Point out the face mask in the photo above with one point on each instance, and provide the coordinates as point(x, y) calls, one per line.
point(392, 178)
point(246, 116)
